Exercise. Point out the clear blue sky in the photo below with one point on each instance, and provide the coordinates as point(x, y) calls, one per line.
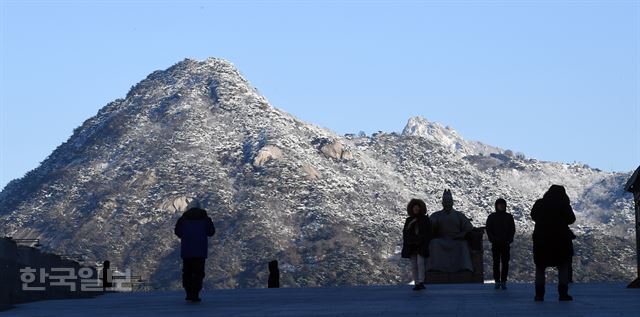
point(557, 80)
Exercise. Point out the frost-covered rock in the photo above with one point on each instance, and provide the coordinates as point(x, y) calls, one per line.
point(311, 172)
point(335, 150)
point(448, 137)
point(267, 153)
point(178, 204)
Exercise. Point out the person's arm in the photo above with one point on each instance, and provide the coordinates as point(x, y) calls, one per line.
point(404, 230)
point(535, 211)
point(178, 228)
point(489, 228)
point(571, 217)
point(512, 228)
point(211, 229)
point(428, 229)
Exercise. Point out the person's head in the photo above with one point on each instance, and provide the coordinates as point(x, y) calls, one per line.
point(194, 203)
point(273, 266)
point(557, 195)
point(447, 200)
point(501, 205)
point(416, 207)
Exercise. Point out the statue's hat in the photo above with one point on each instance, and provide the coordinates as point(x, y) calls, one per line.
point(447, 197)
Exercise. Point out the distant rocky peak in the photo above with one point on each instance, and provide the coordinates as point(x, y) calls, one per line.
point(446, 136)
point(419, 126)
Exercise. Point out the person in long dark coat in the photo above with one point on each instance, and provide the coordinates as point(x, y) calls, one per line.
point(193, 229)
point(552, 239)
point(274, 275)
point(500, 229)
point(416, 235)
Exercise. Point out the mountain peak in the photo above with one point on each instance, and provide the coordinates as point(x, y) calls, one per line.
point(446, 136)
point(213, 82)
point(419, 126)
point(207, 69)
point(434, 131)
point(212, 63)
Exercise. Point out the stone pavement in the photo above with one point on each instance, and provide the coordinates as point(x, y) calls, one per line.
point(438, 300)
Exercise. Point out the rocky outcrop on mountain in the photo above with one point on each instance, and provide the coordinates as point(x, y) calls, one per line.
point(329, 208)
point(312, 172)
point(448, 137)
point(336, 151)
point(267, 153)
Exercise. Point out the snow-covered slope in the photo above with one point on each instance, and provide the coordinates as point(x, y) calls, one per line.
point(328, 207)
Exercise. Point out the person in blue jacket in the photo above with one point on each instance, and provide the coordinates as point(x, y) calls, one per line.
point(193, 228)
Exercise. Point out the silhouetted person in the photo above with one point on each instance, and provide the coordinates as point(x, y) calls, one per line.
point(500, 229)
point(106, 275)
point(552, 241)
point(449, 250)
point(416, 235)
point(193, 228)
point(274, 275)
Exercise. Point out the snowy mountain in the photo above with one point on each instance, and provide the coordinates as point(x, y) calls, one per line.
point(328, 207)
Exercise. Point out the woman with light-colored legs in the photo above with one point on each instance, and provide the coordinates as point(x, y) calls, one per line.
point(416, 235)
